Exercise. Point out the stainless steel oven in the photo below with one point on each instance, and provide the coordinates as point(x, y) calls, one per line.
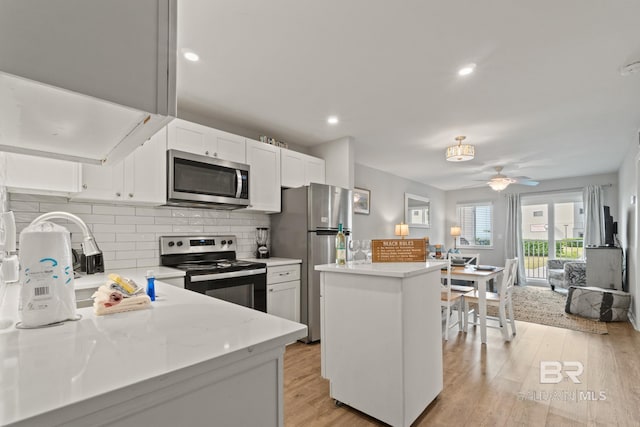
point(212, 269)
point(195, 180)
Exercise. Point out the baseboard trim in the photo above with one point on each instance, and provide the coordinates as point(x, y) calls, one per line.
point(632, 319)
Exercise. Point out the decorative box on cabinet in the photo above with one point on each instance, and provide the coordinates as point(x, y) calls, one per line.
point(604, 267)
point(264, 188)
point(283, 291)
point(39, 175)
point(300, 169)
point(198, 139)
point(140, 178)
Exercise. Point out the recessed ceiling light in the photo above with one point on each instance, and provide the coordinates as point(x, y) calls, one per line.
point(466, 70)
point(333, 120)
point(191, 56)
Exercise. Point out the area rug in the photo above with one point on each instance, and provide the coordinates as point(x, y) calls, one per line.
point(543, 306)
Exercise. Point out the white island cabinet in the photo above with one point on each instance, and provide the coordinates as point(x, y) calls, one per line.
point(189, 360)
point(381, 339)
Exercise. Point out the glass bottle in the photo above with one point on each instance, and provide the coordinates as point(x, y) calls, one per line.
point(341, 247)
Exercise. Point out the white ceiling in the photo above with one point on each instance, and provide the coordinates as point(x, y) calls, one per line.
point(547, 99)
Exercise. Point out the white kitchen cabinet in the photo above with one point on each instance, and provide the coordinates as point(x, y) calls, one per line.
point(198, 139)
point(300, 169)
point(39, 175)
point(264, 183)
point(140, 178)
point(89, 85)
point(283, 291)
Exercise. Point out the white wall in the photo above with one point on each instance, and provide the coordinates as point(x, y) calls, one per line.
point(496, 255)
point(339, 161)
point(387, 206)
point(129, 235)
point(628, 225)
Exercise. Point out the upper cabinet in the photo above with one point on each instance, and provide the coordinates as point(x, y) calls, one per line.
point(264, 180)
point(87, 81)
point(299, 169)
point(140, 178)
point(37, 175)
point(206, 141)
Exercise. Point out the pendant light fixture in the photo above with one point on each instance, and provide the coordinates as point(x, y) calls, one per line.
point(461, 152)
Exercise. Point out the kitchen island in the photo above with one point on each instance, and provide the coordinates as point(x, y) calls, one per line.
point(188, 360)
point(381, 338)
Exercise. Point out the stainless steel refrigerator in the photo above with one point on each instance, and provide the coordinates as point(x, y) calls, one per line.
point(306, 229)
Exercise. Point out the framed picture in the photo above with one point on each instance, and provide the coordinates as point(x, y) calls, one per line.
point(361, 201)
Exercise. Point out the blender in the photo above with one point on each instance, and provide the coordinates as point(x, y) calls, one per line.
point(262, 237)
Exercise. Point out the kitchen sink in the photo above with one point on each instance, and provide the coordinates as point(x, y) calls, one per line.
point(83, 297)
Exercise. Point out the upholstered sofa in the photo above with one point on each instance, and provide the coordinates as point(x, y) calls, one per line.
point(566, 272)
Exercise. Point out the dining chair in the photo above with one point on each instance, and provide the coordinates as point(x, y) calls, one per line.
point(450, 299)
point(500, 299)
point(464, 259)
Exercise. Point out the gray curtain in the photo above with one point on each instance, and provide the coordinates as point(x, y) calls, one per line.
point(513, 235)
point(593, 216)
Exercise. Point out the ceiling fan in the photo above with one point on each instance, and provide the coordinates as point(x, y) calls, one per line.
point(499, 182)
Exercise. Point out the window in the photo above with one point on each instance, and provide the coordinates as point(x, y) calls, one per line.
point(476, 221)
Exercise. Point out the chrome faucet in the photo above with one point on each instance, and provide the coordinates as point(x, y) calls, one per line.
point(89, 246)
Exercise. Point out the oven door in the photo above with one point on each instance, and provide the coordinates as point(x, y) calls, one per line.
point(194, 179)
point(247, 288)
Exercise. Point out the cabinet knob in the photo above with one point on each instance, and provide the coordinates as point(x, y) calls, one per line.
point(84, 186)
point(130, 194)
point(270, 290)
point(206, 152)
point(118, 194)
point(215, 154)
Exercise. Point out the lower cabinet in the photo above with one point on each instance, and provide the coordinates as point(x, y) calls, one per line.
point(283, 291)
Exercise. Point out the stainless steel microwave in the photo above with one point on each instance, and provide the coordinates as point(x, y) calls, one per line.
point(196, 180)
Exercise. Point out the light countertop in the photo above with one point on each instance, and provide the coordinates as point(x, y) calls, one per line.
point(49, 368)
point(273, 262)
point(387, 269)
point(160, 272)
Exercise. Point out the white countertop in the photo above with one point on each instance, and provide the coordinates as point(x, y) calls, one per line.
point(160, 272)
point(49, 368)
point(387, 269)
point(273, 262)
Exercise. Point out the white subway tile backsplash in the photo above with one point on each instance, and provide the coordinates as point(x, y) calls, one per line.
point(188, 229)
point(75, 208)
point(154, 228)
point(136, 237)
point(132, 219)
point(115, 228)
point(121, 263)
point(155, 212)
point(128, 235)
point(171, 220)
point(19, 206)
point(114, 210)
point(118, 246)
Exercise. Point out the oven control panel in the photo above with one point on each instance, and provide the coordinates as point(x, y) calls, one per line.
point(196, 244)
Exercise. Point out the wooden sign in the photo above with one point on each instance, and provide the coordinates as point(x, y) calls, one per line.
point(398, 250)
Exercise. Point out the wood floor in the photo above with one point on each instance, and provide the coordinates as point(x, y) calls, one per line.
point(497, 384)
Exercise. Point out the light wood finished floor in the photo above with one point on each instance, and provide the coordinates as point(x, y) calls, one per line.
point(497, 384)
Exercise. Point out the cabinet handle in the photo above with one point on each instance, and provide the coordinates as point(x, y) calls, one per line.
point(285, 274)
point(130, 194)
point(118, 194)
point(270, 290)
point(84, 186)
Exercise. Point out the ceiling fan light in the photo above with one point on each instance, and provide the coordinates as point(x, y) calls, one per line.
point(461, 152)
point(499, 184)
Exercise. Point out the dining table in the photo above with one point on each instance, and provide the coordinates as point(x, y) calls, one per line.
point(481, 277)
